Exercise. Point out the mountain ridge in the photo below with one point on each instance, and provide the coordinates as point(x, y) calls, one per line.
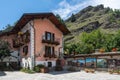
point(92, 18)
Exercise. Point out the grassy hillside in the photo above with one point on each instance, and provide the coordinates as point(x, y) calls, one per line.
point(92, 18)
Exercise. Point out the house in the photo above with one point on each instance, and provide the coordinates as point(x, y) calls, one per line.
point(38, 36)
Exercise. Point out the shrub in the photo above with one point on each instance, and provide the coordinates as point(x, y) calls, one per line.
point(40, 66)
point(36, 69)
point(26, 70)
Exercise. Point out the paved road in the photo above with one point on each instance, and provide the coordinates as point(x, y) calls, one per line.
point(59, 76)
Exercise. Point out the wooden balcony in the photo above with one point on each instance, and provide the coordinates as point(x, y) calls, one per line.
point(21, 39)
point(17, 43)
point(50, 55)
point(56, 41)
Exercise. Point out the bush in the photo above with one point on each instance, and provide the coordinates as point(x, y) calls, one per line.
point(40, 66)
point(36, 69)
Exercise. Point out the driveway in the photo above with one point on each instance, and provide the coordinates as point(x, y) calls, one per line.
point(64, 75)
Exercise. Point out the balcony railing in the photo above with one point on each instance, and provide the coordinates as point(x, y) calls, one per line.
point(55, 41)
point(21, 39)
point(49, 55)
point(17, 43)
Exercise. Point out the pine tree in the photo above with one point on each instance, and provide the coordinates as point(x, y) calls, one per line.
point(73, 19)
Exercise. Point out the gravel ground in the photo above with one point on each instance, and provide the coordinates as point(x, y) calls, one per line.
point(59, 76)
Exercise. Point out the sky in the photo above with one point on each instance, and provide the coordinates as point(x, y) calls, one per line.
point(12, 10)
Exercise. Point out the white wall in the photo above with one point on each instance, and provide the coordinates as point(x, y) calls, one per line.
point(46, 63)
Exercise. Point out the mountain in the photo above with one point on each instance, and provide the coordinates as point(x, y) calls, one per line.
point(92, 18)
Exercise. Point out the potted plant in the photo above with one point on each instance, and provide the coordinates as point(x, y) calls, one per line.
point(110, 71)
point(92, 70)
point(118, 71)
point(86, 70)
point(102, 50)
point(114, 49)
point(43, 69)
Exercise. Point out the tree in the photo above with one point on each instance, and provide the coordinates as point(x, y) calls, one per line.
point(116, 13)
point(4, 49)
point(73, 19)
point(60, 19)
point(8, 28)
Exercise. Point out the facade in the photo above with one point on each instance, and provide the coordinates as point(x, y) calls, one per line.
point(37, 36)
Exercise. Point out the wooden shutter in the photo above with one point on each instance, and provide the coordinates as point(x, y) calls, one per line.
point(53, 37)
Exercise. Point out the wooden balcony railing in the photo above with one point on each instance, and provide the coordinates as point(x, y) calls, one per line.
point(21, 39)
point(55, 41)
point(50, 55)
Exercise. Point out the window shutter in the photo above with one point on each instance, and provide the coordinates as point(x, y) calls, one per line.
point(53, 37)
point(53, 51)
point(45, 51)
point(45, 35)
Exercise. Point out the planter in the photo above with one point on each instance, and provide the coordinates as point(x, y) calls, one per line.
point(102, 50)
point(110, 71)
point(89, 70)
point(118, 72)
point(114, 49)
point(92, 71)
point(44, 70)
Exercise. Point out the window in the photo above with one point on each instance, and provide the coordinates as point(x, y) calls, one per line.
point(25, 50)
point(49, 36)
point(49, 51)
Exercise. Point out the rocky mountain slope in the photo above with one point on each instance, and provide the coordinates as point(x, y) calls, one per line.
point(92, 18)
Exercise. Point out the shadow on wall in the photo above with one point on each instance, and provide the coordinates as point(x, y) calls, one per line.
point(2, 73)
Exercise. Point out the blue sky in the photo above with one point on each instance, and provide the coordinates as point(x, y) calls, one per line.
point(12, 10)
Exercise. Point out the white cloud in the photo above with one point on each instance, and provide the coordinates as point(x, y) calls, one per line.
point(115, 4)
point(66, 9)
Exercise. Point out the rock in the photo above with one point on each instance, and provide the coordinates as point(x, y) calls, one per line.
point(86, 15)
point(97, 8)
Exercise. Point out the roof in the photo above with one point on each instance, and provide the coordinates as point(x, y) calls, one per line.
point(6, 33)
point(94, 55)
point(31, 16)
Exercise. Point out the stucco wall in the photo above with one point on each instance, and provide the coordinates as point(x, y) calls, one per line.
point(41, 26)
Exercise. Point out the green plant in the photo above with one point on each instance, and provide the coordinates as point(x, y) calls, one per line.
point(40, 66)
point(26, 70)
point(4, 49)
point(36, 69)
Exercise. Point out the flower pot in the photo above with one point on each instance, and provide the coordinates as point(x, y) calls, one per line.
point(114, 49)
point(102, 50)
point(44, 70)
